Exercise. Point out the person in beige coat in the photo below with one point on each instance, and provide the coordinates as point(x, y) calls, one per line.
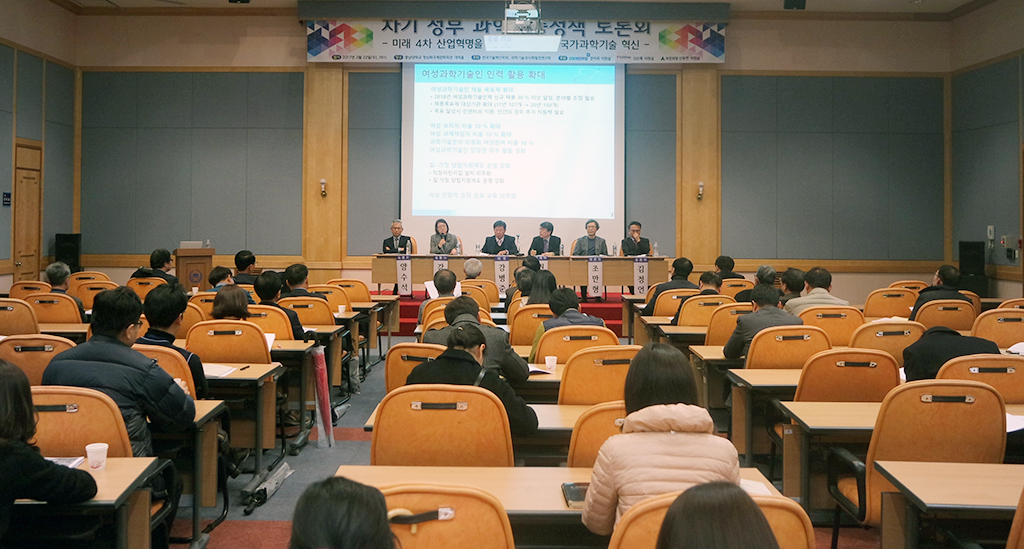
point(667, 442)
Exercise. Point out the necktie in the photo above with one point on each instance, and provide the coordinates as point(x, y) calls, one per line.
point(546, 246)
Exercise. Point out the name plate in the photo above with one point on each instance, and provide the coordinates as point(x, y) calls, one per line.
point(403, 269)
point(640, 275)
point(595, 276)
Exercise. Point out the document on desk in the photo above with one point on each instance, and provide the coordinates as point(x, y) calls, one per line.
point(217, 370)
point(270, 340)
point(754, 488)
point(539, 369)
point(1014, 423)
point(1017, 348)
point(71, 462)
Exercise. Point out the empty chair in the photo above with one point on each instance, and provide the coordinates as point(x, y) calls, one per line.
point(723, 322)
point(441, 425)
point(356, 289)
point(72, 417)
point(32, 353)
point(54, 308)
point(788, 521)
point(228, 341)
point(87, 291)
point(476, 519)
point(668, 301)
point(524, 324)
point(24, 288)
point(489, 286)
point(171, 362)
point(403, 357)
point(888, 302)
point(192, 315)
point(954, 314)
point(596, 374)
point(142, 286)
point(204, 300)
point(17, 317)
point(733, 286)
point(1004, 372)
point(1004, 326)
point(312, 311)
point(566, 340)
point(891, 336)
point(698, 309)
point(975, 300)
point(592, 428)
point(650, 292)
point(1013, 303)
point(76, 280)
point(915, 285)
point(271, 320)
point(838, 322)
point(478, 294)
point(786, 346)
point(335, 296)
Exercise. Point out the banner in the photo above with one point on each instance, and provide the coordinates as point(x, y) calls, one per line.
point(640, 276)
point(595, 270)
point(543, 259)
point(447, 41)
point(403, 269)
point(501, 273)
point(440, 262)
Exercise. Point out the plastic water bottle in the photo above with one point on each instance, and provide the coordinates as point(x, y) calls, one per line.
point(615, 250)
point(561, 249)
point(207, 242)
point(654, 249)
point(520, 242)
point(477, 248)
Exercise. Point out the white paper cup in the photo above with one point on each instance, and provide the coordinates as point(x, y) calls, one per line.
point(341, 309)
point(195, 290)
point(550, 362)
point(96, 454)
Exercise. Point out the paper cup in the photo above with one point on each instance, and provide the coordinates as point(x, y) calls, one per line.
point(195, 290)
point(96, 454)
point(341, 309)
point(550, 362)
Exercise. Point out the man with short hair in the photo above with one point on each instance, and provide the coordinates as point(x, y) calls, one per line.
point(268, 287)
point(765, 275)
point(938, 345)
point(944, 284)
point(531, 263)
point(680, 272)
point(472, 267)
point(498, 354)
point(165, 307)
point(245, 267)
point(566, 307)
point(444, 282)
point(818, 282)
point(634, 244)
point(159, 266)
point(500, 243)
point(58, 274)
point(710, 284)
point(397, 243)
point(724, 265)
point(220, 277)
point(793, 283)
point(546, 243)
point(296, 282)
point(765, 302)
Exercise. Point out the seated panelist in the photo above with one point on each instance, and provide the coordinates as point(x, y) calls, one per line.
point(546, 243)
point(634, 244)
point(591, 244)
point(443, 242)
point(500, 243)
point(396, 243)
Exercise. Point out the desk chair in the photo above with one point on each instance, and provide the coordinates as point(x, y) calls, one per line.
point(142, 286)
point(441, 425)
point(891, 336)
point(228, 341)
point(1003, 372)
point(1013, 303)
point(32, 353)
point(889, 302)
point(975, 300)
point(733, 286)
point(72, 417)
point(786, 346)
point(514, 305)
point(596, 374)
point(204, 300)
point(650, 293)
point(311, 310)
point(698, 309)
point(192, 315)
point(17, 317)
point(87, 291)
point(436, 303)
point(955, 314)
point(271, 320)
point(461, 249)
point(955, 421)
point(434, 324)
point(335, 296)
point(915, 285)
point(523, 325)
point(24, 288)
point(54, 308)
point(251, 290)
point(476, 520)
point(489, 287)
point(723, 322)
point(403, 357)
point(76, 280)
point(435, 314)
point(566, 340)
point(479, 295)
point(838, 322)
point(594, 426)
point(171, 362)
point(1004, 326)
point(668, 301)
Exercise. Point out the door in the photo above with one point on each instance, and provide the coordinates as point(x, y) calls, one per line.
point(27, 214)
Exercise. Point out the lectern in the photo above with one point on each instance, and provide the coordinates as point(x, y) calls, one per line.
point(193, 265)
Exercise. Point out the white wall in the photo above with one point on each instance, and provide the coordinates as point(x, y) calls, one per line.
point(986, 33)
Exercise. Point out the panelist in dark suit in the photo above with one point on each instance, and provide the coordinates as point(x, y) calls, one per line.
point(634, 244)
point(546, 243)
point(767, 314)
point(396, 243)
point(500, 243)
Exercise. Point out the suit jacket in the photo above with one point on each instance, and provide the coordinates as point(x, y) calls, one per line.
point(404, 245)
point(730, 274)
point(146, 272)
point(508, 244)
point(744, 296)
point(747, 327)
point(244, 278)
point(601, 247)
point(301, 292)
point(677, 283)
point(554, 245)
point(932, 293)
point(629, 247)
point(925, 357)
point(498, 355)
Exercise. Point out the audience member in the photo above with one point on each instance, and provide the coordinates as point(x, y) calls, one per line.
point(472, 267)
point(938, 345)
point(944, 284)
point(444, 282)
point(245, 268)
point(710, 284)
point(58, 275)
point(165, 307)
point(159, 266)
point(500, 243)
point(668, 441)
point(793, 283)
point(462, 364)
point(716, 515)
point(231, 303)
point(220, 277)
point(634, 244)
point(268, 288)
point(566, 308)
point(531, 263)
point(680, 272)
point(765, 275)
point(545, 243)
point(724, 265)
point(767, 314)
point(338, 513)
point(544, 284)
point(443, 242)
point(296, 282)
point(397, 243)
point(523, 284)
point(498, 356)
point(818, 282)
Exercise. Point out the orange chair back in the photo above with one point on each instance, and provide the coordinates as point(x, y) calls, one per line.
point(87, 291)
point(171, 362)
point(441, 425)
point(434, 324)
point(143, 286)
point(17, 317)
point(525, 321)
point(650, 292)
point(356, 289)
point(1004, 326)
point(489, 286)
point(228, 341)
point(954, 314)
point(251, 290)
point(668, 301)
point(891, 336)
point(733, 286)
point(975, 300)
point(788, 521)
point(312, 311)
point(698, 309)
point(888, 302)
point(596, 374)
point(192, 315)
point(915, 285)
point(848, 375)
point(437, 313)
point(594, 426)
point(723, 322)
point(477, 519)
point(204, 300)
point(271, 320)
point(1004, 372)
point(54, 308)
point(479, 295)
point(335, 296)
point(786, 346)
point(1017, 303)
point(403, 357)
point(435, 304)
point(33, 352)
point(72, 417)
point(838, 322)
point(515, 304)
point(24, 288)
point(566, 340)
point(76, 280)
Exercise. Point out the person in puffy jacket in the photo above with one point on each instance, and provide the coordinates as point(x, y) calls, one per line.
point(668, 442)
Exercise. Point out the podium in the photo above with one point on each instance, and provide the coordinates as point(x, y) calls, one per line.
point(193, 265)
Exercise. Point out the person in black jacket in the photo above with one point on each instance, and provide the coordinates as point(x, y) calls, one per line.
point(245, 264)
point(634, 244)
point(546, 243)
point(944, 284)
point(23, 472)
point(938, 345)
point(296, 282)
point(268, 287)
point(680, 271)
point(461, 364)
point(500, 243)
point(164, 307)
point(396, 243)
point(159, 266)
point(724, 265)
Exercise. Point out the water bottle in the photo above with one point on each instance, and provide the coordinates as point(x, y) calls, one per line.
point(615, 250)
point(207, 242)
point(654, 249)
point(561, 249)
point(477, 248)
point(520, 242)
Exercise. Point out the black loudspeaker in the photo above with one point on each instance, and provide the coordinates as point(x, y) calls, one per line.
point(67, 248)
point(975, 283)
point(972, 258)
point(794, 4)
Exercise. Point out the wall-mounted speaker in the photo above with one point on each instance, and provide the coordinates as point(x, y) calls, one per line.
point(972, 257)
point(67, 248)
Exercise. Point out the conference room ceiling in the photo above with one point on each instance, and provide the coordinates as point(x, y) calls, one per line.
point(861, 6)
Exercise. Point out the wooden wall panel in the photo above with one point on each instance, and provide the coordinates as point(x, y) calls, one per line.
point(699, 236)
point(323, 217)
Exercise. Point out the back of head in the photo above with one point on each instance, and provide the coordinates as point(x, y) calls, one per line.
point(525, 282)
point(716, 515)
point(231, 302)
point(764, 295)
point(793, 280)
point(17, 415)
point(711, 278)
point(296, 274)
point(725, 263)
point(466, 337)
point(159, 258)
point(544, 285)
point(473, 267)
point(444, 281)
point(268, 285)
point(217, 275)
point(765, 274)
point(949, 275)
point(532, 263)
point(57, 273)
point(462, 305)
point(164, 304)
point(562, 300)
point(243, 260)
point(337, 513)
point(682, 267)
point(818, 277)
point(659, 374)
point(114, 310)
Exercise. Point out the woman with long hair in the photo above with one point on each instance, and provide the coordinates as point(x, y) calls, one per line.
point(231, 303)
point(544, 284)
point(717, 515)
point(338, 513)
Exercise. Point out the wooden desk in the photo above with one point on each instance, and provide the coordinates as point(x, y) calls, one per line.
point(746, 384)
point(332, 337)
point(710, 364)
point(74, 331)
point(972, 491)
point(628, 300)
point(989, 303)
point(389, 311)
point(540, 388)
point(682, 336)
point(204, 464)
point(648, 328)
